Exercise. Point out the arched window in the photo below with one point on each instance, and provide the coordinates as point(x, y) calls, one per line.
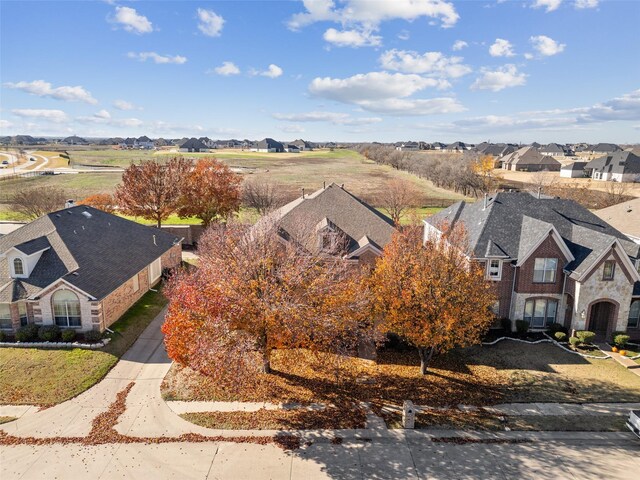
point(634, 315)
point(18, 266)
point(66, 309)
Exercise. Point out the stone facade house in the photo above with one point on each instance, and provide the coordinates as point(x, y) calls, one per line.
point(552, 261)
point(335, 215)
point(79, 268)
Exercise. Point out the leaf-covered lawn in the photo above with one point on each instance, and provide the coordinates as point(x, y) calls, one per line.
point(487, 375)
point(46, 377)
point(330, 418)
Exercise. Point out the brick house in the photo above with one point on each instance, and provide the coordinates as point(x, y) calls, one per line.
point(552, 261)
point(79, 268)
point(335, 215)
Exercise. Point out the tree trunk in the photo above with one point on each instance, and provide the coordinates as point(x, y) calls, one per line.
point(266, 362)
point(425, 357)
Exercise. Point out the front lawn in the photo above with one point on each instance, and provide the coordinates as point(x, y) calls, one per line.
point(506, 372)
point(46, 377)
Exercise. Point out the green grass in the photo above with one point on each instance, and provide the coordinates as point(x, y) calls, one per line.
point(7, 419)
point(47, 377)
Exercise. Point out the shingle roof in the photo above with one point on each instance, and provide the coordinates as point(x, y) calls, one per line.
point(575, 166)
point(95, 252)
point(514, 221)
point(335, 206)
point(32, 246)
point(194, 144)
point(622, 162)
point(529, 156)
point(269, 143)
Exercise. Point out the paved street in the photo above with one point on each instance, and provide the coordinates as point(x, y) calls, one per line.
point(388, 458)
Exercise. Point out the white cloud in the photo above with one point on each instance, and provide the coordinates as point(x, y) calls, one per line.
point(434, 63)
point(550, 5)
point(210, 23)
point(404, 35)
point(370, 86)
point(501, 48)
point(626, 107)
point(102, 114)
point(157, 58)
point(546, 46)
point(45, 89)
point(408, 106)
point(5, 123)
point(459, 45)
point(582, 4)
point(124, 105)
point(227, 69)
point(496, 80)
point(131, 21)
point(529, 56)
point(291, 128)
point(337, 118)
point(352, 38)
point(57, 116)
point(273, 71)
point(371, 14)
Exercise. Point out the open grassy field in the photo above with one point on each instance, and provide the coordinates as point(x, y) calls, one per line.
point(294, 172)
point(46, 377)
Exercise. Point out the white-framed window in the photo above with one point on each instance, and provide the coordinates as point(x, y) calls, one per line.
point(494, 269)
point(155, 270)
point(18, 266)
point(609, 270)
point(540, 312)
point(66, 309)
point(22, 311)
point(136, 283)
point(634, 315)
point(5, 317)
point(544, 270)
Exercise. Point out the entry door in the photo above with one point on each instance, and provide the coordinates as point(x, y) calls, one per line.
point(600, 314)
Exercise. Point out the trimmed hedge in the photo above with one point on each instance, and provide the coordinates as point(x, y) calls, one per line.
point(560, 336)
point(585, 336)
point(68, 335)
point(49, 333)
point(522, 326)
point(92, 336)
point(27, 333)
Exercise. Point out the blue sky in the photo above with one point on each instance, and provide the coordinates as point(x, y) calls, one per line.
point(343, 70)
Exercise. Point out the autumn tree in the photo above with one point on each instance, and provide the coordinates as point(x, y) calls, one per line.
point(101, 201)
point(36, 202)
point(262, 195)
point(210, 192)
point(430, 294)
point(397, 197)
point(152, 189)
point(253, 293)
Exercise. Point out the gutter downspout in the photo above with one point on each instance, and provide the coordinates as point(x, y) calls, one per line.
point(564, 302)
point(513, 291)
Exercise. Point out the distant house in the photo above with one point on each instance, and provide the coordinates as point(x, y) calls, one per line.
point(496, 150)
point(604, 148)
point(456, 147)
point(620, 166)
point(528, 159)
point(291, 148)
point(408, 147)
point(75, 140)
point(573, 170)
point(438, 146)
point(144, 142)
point(552, 150)
point(193, 145)
point(551, 261)
point(128, 143)
point(269, 145)
point(79, 268)
point(302, 144)
point(338, 218)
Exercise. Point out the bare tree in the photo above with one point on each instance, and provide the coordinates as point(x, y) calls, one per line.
point(36, 202)
point(616, 192)
point(262, 195)
point(397, 197)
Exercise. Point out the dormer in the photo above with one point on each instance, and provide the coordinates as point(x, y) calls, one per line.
point(23, 258)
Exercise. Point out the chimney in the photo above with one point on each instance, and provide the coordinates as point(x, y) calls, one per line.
point(539, 191)
point(303, 193)
point(154, 241)
point(70, 203)
point(486, 201)
point(324, 185)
